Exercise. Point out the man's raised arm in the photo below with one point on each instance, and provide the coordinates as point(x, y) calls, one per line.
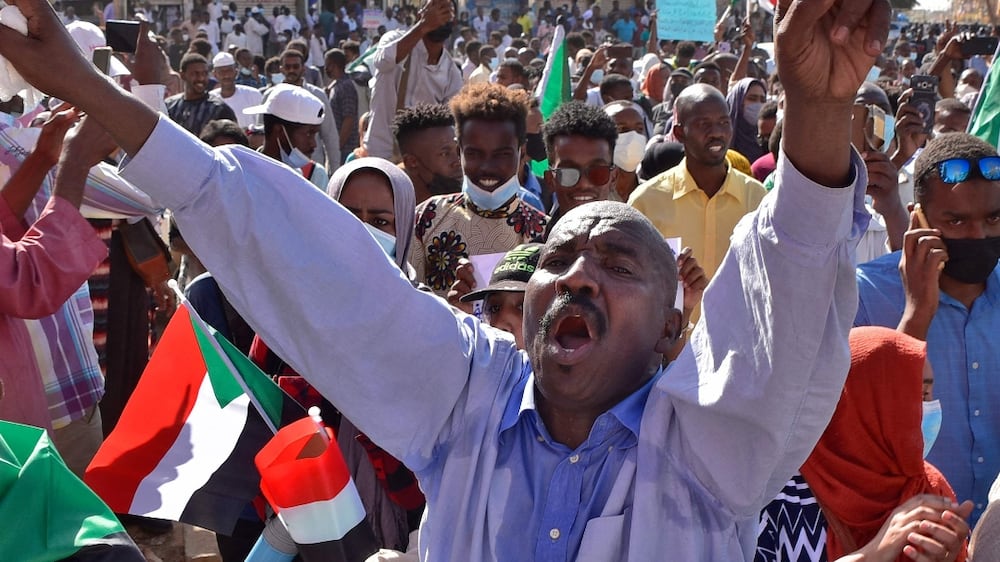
point(763, 373)
point(300, 268)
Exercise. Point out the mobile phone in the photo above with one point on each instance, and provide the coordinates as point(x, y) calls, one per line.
point(620, 51)
point(979, 46)
point(102, 58)
point(122, 36)
point(876, 120)
point(859, 123)
point(924, 97)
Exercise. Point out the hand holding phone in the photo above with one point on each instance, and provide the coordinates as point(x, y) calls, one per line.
point(924, 97)
point(121, 35)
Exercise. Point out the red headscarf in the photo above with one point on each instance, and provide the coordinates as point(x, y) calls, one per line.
point(870, 458)
point(654, 82)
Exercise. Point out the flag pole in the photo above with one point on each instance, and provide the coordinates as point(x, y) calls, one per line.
point(208, 330)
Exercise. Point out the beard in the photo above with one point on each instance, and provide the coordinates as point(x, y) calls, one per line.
point(441, 34)
point(442, 185)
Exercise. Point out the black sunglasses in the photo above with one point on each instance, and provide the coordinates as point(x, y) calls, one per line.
point(569, 177)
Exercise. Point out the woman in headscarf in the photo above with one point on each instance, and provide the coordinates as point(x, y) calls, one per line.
point(381, 196)
point(633, 129)
point(745, 98)
point(654, 81)
point(867, 467)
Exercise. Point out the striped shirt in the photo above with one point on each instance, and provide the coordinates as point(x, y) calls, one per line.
point(194, 114)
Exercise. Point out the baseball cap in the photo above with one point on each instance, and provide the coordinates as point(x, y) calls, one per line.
point(255, 10)
point(511, 274)
point(89, 37)
point(290, 103)
point(223, 59)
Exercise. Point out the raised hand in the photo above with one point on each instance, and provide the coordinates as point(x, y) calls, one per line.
point(924, 255)
point(825, 48)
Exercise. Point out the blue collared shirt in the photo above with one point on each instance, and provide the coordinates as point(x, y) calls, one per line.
point(962, 348)
point(719, 433)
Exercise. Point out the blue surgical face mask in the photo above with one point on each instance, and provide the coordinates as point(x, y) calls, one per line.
point(890, 132)
point(294, 158)
point(277, 78)
point(245, 71)
point(490, 201)
point(873, 74)
point(597, 76)
point(385, 240)
point(930, 424)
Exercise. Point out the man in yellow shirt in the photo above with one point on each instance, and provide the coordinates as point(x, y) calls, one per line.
point(701, 199)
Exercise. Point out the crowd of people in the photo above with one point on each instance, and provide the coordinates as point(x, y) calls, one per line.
point(721, 300)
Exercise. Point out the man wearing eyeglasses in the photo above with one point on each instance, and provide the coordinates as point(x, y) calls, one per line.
point(944, 287)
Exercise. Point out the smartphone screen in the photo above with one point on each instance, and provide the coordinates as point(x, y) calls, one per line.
point(122, 35)
point(102, 58)
point(979, 46)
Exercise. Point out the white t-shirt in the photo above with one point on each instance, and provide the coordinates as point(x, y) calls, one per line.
point(242, 98)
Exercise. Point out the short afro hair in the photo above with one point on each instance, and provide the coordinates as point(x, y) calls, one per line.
point(192, 58)
point(941, 148)
point(413, 120)
point(612, 81)
point(952, 105)
point(576, 118)
point(223, 128)
point(491, 102)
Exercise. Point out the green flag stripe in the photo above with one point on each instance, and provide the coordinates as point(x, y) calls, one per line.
point(271, 397)
point(986, 118)
point(226, 387)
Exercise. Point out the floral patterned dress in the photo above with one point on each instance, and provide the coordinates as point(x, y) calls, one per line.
point(450, 227)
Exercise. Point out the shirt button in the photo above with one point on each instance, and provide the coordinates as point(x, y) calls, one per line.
point(554, 534)
point(979, 506)
point(980, 460)
point(540, 439)
point(975, 364)
point(975, 413)
point(574, 458)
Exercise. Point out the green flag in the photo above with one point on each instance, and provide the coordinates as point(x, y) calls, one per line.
point(49, 513)
point(985, 122)
point(553, 88)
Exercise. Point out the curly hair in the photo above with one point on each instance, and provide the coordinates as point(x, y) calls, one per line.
point(491, 102)
point(413, 120)
point(941, 148)
point(579, 119)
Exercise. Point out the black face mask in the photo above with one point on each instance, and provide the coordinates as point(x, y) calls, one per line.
point(441, 34)
point(676, 89)
point(442, 185)
point(971, 260)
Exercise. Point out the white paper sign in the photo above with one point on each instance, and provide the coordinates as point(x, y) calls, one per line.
point(482, 270)
point(675, 245)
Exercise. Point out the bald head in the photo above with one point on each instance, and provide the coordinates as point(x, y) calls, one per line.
point(694, 95)
point(612, 214)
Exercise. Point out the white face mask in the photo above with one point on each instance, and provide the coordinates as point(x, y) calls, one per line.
point(277, 78)
point(490, 201)
point(930, 424)
point(385, 240)
point(493, 63)
point(294, 158)
point(751, 111)
point(597, 76)
point(629, 149)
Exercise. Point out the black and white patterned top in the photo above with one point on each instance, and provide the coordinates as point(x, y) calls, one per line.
point(792, 527)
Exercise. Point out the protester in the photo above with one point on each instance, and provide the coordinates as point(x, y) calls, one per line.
point(343, 101)
point(411, 67)
point(950, 305)
point(702, 199)
point(866, 482)
point(488, 216)
point(745, 100)
point(292, 118)
point(196, 106)
point(46, 261)
point(327, 151)
point(236, 96)
point(425, 135)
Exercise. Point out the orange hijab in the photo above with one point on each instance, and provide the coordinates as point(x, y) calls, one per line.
point(654, 82)
point(870, 458)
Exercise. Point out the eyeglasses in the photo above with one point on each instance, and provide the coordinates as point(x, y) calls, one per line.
point(569, 177)
point(955, 170)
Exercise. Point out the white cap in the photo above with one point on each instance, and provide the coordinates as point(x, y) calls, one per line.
point(89, 37)
point(290, 103)
point(223, 59)
point(255, 10)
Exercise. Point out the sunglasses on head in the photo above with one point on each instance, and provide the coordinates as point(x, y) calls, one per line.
point(569, 177)
point(955, 170)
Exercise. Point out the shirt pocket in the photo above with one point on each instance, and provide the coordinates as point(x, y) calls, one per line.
point(603, 540)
